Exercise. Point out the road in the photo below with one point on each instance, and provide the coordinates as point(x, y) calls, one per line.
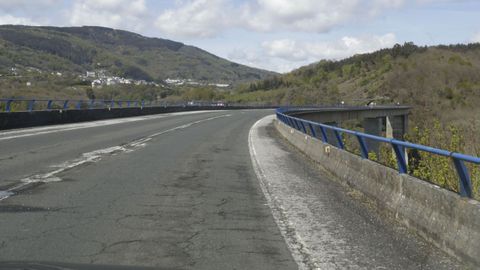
point(177, 191)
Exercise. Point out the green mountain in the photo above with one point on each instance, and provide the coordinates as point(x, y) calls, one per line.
point(120, 53)
point(431, 79)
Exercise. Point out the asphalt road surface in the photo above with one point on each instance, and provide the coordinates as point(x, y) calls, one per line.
point(176, 191)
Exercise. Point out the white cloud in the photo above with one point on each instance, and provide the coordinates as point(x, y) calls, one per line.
point(388, 3)
point(291, 50)
point(13, 6)
point(208, 18)
point(286, 54)
point(256, 57)
point(286, 49)
point(300, 15)
point(9, 19)
point(476, 37)
point(125, 14)
point(246, 56)
point(378, 6)
point(197, 18)
point(26, 12)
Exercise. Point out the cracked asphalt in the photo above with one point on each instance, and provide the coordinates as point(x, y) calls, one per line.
point(185, 199)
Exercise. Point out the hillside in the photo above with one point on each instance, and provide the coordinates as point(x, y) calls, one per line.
point(433, 80)
point(119, 53)
point(440, 82)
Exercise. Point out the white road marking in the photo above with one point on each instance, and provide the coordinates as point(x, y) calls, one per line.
point(27, 132)
point(264, 164)
point(5, 194)
point(93, 156)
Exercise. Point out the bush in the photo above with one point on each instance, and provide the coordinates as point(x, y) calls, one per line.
point(436, 169)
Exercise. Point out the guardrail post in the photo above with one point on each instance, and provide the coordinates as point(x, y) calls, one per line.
point(400, 155)
point(49, 104)
point(65, 104)
point(119, 103)
point(295, 123)
point(290, 122)
point(312, 130)
point(128, 103)
point(464, 185)
point(8, 106)
point(298, 125)
point(324, 134)
point(363, 146)
point(339, 139)
point(31, 104)
point(303, 127)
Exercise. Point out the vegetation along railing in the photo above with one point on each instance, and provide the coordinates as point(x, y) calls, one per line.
point(311, 128)
point(18, 104)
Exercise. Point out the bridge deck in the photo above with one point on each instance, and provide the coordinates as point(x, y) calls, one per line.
point(180, 191)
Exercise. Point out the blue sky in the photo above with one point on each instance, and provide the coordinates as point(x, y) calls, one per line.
point(278, 35)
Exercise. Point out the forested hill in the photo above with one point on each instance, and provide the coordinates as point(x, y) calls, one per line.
point(121, 53)
point(440, 81)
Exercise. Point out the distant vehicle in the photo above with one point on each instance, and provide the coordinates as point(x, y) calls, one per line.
point(194, 103)
point(204, 103)
point(371, 103)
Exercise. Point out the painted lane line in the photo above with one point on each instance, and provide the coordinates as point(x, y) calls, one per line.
point(294, 241)
point(48, 177)
point(8, 135)
point(94, 156)
point(5, 194)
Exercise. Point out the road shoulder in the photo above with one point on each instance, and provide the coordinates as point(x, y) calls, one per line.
point(325, 224)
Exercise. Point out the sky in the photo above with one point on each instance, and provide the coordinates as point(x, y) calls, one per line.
point(277, 35)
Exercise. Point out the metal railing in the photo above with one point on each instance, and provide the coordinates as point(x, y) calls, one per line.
point(32, 104)
point(310, 128)
point(20, 104)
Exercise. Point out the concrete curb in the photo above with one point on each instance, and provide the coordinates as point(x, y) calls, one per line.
point(443, 218)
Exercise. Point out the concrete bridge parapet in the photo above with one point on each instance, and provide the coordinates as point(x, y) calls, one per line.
point(391, 119)
point(440, 216)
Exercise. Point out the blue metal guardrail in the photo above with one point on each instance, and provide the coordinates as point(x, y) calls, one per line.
point(7, 104)
point(465, 185)
point(66, 104)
